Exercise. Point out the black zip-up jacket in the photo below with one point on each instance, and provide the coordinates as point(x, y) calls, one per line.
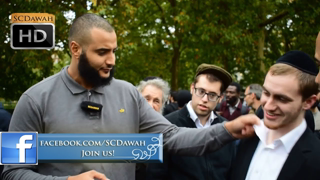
point(212, 166)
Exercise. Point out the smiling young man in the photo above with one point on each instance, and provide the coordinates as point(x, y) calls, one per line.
point(284, 147)
point(209, 83)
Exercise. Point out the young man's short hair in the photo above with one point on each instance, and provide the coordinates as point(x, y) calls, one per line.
point(307, 84)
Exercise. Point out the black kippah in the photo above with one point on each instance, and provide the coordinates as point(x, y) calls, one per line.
point(299, 60)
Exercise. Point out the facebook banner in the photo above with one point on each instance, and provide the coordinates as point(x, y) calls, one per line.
point(28, 148)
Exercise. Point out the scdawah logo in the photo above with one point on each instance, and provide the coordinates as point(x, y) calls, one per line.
point(32, 18)
point(32, 31)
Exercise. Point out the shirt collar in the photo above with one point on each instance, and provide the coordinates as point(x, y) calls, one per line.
point(73, 86)
point(288, 140)
point(194, 116)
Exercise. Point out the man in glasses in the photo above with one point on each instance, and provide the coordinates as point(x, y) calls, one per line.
point(209, 83)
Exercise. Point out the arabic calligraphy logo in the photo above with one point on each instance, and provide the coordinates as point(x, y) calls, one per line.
point(147, 154)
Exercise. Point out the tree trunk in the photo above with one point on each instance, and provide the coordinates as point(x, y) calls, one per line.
point(175, 68)
point(261, 42)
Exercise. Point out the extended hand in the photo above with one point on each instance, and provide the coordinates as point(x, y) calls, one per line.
point(89, 175)
point(242, 127)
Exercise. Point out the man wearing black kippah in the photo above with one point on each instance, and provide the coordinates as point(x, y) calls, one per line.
point(283, 148)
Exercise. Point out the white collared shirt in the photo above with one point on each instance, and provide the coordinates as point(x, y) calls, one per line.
point(268, 160)
point(233, 108)
point(196, 120)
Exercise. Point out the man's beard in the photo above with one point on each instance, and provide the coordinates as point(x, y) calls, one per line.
point(232, 101)
point(91, 75)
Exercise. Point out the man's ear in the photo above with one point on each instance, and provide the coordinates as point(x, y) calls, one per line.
point(75, 49)
point(307, 104)
point(191, 88)
point(253, 95)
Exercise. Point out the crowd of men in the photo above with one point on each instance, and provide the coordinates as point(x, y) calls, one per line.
point(277, 121)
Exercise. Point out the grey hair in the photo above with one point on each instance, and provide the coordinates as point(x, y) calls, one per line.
point(256, 89)
point(80, 30)
point(159, 83)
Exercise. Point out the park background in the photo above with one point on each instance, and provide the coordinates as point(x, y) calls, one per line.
point(166, 38)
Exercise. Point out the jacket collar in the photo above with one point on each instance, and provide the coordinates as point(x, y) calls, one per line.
point(297, 156)
point(185, 113)
point(295, 160)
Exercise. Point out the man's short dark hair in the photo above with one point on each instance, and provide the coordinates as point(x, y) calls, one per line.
point(81, 28)
point(237, 85)
point(174, 95)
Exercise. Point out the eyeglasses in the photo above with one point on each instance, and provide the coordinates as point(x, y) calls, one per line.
point(245, 95)
point(201, 93)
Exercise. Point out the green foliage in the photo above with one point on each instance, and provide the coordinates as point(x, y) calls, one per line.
point(20, 69)
point(169, 39)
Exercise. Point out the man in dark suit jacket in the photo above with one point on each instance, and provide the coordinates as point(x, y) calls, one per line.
point(283, 148)
point(210, 81)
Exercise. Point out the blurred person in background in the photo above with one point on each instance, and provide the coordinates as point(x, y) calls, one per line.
point(155, 91)
point(252, 97)
point(173, 103)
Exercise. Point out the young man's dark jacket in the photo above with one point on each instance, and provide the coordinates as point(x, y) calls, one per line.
point(213, 166)
point(302, 162)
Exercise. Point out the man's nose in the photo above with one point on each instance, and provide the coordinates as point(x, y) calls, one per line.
point(205, 98)
point(269, 105)
point(151, 103)
point(111, 60)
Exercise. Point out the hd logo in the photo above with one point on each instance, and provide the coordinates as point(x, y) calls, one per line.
point(19, 148)
point(32, 31)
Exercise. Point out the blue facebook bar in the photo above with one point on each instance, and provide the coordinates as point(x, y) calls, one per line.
point(24, 148)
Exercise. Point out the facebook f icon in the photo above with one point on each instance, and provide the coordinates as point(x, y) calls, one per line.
point(19, 148)
point(22, 147)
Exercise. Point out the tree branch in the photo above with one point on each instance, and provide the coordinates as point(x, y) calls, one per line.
point(274, 18)
point(163, 19)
